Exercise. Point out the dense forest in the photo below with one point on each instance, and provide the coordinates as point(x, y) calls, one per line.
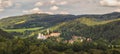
point(52, 46)
point(108, 31)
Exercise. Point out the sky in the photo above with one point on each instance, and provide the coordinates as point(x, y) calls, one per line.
point(76, 7)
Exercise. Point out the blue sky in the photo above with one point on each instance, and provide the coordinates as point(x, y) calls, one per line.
point(21, 7)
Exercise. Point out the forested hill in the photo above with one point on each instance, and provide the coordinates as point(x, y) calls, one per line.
point(46, 20)
point(4, 34)
point(105, 30)
point(108, 16)
point(34, 20)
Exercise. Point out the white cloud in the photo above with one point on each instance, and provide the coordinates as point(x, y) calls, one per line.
point(18, 5)
point(34, 10)
point(39, 4)
point(117, 10)
point(64, 12)
point(54, 8)
point(1, 10)
point(63, 3)
point(110, 2)
point(52, 1)
point(5, 3)
point(48, 12)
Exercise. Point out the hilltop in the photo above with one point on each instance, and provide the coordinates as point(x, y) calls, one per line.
point(46, 20)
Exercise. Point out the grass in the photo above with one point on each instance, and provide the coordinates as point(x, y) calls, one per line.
point(20, 22)
point(22, 30)
point(91, 22)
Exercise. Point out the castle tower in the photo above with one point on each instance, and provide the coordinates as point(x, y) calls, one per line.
point(41, 36)
point(48, 31)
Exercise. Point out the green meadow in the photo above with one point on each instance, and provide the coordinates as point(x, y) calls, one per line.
point(22, 30)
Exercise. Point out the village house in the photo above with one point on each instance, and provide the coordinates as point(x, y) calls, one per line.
point(41, 36)
point(78, 39)
point(89, 39)
point(55, 34)
point(71, 41)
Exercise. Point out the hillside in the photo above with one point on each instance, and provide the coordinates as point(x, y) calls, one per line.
point(4, 34)
point(46, 20)
point(108, 30)
point(34, 20)
point(32, 24)
point(109, 16)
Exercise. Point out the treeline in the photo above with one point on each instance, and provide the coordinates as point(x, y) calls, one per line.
point(4, 34)
point(50, 46)
point(53, 46)
point(46, 20)
point(34, 20)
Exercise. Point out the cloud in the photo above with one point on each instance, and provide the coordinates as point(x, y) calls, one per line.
point(39, 4)
point(54, 8)
point(18, 5)
point(34, 10)
point(64, 12)
point(63, 3)
point(110, 2)
point(52, 1)
point(48, 12)
point(5, 3)
point(1, 10)
point(117, 10)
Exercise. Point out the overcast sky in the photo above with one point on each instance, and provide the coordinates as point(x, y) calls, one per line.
point(20, 7)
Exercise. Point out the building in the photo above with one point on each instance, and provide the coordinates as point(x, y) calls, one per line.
point(71, 41)
point(41, 36)
point(89, 39)
point(78, 38)
point(55, 34)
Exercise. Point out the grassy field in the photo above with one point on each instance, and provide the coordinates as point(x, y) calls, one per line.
point(22, 30)
point(90, 22)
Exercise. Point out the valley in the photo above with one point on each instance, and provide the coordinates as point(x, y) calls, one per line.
point(44, 33)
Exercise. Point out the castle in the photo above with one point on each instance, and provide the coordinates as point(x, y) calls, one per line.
point(54, 34)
